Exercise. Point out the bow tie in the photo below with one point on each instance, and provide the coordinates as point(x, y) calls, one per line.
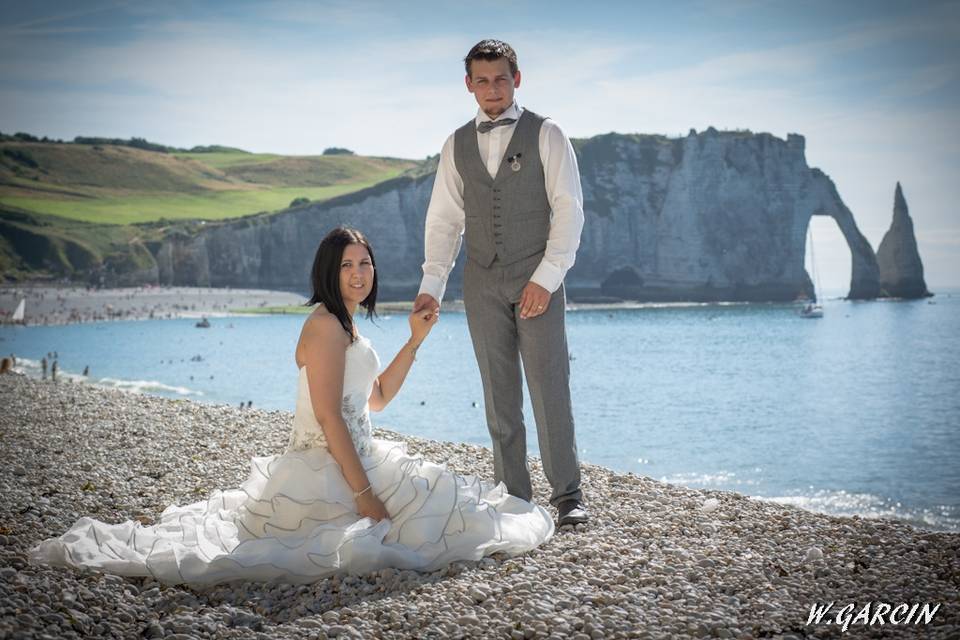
point(487, 125)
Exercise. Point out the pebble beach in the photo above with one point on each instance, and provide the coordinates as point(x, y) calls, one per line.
point(656, 561)
point(56, 305)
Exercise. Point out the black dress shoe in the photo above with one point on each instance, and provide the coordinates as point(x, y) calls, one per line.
point(571, 512)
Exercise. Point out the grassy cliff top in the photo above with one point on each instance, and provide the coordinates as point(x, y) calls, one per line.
point(114, 184)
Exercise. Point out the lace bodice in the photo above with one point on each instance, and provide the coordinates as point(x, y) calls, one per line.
point(362, 365)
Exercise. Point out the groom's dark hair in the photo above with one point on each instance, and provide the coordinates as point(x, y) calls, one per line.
point(325, 275)
point(492, 50)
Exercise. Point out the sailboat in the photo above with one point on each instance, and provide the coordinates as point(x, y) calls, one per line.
point(813, 309)
point(18, 312)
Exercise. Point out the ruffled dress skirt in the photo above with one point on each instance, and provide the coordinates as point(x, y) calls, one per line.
point(293, 520)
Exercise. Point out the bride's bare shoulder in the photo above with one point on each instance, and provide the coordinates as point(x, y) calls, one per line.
point(324, 325)
point(321, 330)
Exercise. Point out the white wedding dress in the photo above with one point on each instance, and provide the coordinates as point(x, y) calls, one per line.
point(293, 519)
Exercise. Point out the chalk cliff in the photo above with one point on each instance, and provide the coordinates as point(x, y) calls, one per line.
point(276, 251)
point(901, 270)
point(710, 216)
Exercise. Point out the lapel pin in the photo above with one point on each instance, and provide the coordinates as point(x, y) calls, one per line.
point(515, 161)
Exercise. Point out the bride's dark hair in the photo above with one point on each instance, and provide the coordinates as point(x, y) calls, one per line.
point(325, 275)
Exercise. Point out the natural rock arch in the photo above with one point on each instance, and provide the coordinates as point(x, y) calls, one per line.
point(864, 271)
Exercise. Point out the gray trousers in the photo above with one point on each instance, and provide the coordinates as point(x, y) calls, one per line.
point(500, 340)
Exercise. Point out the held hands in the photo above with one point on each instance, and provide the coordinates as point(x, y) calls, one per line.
point(426, 313)
point(370, 506)
point(533, 301)
point(425, 301)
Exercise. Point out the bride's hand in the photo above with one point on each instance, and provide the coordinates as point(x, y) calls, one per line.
point(370, 506)
point(421, 322)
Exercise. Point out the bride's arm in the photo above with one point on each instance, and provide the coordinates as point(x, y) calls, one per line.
point(388, 383)
point(325, 345)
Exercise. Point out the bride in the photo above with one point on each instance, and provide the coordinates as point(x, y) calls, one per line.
point(337, 500)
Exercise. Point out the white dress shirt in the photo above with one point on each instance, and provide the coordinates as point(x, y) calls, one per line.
point(445, 216)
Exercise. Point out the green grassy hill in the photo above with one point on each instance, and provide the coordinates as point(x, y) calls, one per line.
point(113, 184)
point(70, 210)
point(39, 246)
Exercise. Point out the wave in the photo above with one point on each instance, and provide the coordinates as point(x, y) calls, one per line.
point(869, 506)
point(144, 386)
point(34, 369)
point(827, 501)
point(720, 479)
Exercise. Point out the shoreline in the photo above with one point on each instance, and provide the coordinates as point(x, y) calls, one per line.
point(917, 517)
point(656, 561)
point(52, 305)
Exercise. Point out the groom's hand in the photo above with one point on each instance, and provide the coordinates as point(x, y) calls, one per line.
point(533, 301)
point(426, 302)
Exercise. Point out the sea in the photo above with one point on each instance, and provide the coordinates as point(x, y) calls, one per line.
point(857, 412)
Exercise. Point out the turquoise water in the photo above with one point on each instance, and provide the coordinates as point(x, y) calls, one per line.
point(856, 412)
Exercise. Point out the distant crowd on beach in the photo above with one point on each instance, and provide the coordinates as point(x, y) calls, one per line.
point(66, 305)
point(58, 310)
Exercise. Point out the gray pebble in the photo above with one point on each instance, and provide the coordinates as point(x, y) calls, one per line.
point(651, 563)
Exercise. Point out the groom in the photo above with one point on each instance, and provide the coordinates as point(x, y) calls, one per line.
point(508, 184)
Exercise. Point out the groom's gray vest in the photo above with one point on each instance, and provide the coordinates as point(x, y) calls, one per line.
point(507, 217)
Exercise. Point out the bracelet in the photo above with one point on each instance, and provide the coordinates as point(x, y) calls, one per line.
point(357, 494)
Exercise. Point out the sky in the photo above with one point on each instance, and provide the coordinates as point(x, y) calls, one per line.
point(874, 86)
